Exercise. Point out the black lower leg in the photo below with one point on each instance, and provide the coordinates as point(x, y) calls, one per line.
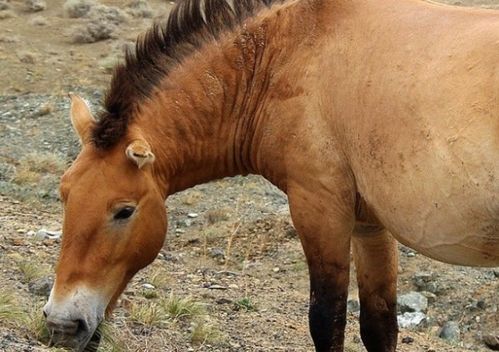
point(378, 327)
point(327, 316)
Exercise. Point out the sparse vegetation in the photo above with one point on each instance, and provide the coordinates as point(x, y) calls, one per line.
point(31, 270)
point(205, 333)
point(148, 313)
point(177, 307)
point(35, 323)
point(10, 311)
point(245, 304)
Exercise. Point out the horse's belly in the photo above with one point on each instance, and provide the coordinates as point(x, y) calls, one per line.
point(445, 211)
point(461, 229)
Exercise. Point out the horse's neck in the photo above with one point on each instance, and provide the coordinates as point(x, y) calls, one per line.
point(216, 115)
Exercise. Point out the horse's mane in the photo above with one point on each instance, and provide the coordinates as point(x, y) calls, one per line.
point(190, 25)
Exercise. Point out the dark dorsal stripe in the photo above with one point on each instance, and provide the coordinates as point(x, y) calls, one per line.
point(190, 25)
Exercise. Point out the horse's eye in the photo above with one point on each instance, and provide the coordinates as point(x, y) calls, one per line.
point(124, 213)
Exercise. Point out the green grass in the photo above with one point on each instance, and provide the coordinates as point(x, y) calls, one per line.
point(246, 304)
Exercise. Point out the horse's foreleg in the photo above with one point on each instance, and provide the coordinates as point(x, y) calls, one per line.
point(325, 229)
point(376, 262)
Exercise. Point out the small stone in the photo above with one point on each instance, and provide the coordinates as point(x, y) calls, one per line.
point(46, 234)
point(276, 269)
point(192, 215)
point(407, 339)
point(36, 5)
point(215, 287)
point(224, 301)
point(217, 253)
point(412, 302)
point(148, 286)
point(411, 254)
point(426, 281)
point(41, 287)
point(450, 331)
point(431, 297)
point(411, 320)
point(353, 305)
point(491, 341)
point(39, 21)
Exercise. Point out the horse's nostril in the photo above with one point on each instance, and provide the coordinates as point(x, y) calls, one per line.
point(45, 314)
point(82, 327)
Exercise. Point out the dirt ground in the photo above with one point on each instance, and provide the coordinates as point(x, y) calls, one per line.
point(232, 257)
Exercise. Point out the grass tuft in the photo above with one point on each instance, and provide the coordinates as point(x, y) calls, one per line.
point(10, 313)
point(31, 270)
point(177, 307)
point(205, 333)
point(147, 313)
point(245, 304)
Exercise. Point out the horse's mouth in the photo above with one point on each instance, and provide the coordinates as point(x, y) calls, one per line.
point(85, 345)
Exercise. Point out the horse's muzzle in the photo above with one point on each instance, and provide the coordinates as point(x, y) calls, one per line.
point(73, 321)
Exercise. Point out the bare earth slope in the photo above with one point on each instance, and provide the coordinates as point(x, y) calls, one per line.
point(232, 275)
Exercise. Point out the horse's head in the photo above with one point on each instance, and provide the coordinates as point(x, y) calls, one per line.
point(114, 225)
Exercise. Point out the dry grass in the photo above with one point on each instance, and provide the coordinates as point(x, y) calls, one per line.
point(33, 166)
point(217, 215)
point(205, 333)
point(148, 313)
point(177, 307)
point(10, 312)
point(35, 323)
point(31, 270)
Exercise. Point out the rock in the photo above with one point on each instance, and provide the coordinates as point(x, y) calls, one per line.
point(411, 320)
point(407, 339)
point(140, 9)
point(491, 341)
point(77, 8)
point(35, 5)
point(426, 281)
point(43, 234)
point(353, 306)
point(39, 21)
point(41, 287)
point(412, 302)
point(148, 286)
point(450, 331)
point(217, 253)
point(431, 297)
point(214, 286)
point(192, 215)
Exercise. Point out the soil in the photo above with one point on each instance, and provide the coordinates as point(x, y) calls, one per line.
point(230, 247)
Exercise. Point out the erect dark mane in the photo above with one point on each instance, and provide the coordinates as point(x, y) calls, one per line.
point(190, 25)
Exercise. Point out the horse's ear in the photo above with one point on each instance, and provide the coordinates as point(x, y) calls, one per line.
point(81, 118)
point(140, 153)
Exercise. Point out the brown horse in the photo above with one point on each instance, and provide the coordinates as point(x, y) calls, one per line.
point(378, 115)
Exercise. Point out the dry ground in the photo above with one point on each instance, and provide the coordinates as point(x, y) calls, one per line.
point(231, 279)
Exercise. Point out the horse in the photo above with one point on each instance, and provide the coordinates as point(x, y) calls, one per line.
point(378, 119)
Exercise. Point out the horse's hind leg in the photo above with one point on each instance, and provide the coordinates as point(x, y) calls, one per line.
point(376, 261)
